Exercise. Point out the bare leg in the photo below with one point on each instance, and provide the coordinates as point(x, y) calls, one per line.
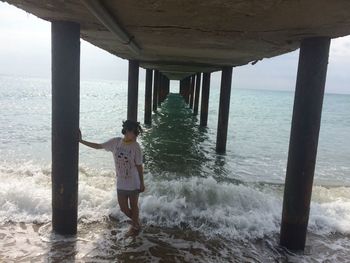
point(124, 205)
point(134, 200)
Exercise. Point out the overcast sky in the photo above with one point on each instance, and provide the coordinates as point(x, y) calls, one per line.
point(25, 45)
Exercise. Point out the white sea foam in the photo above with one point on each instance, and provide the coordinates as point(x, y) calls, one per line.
point(240, 211)
point(211, 207)
point(24, 193)
point(330, 211)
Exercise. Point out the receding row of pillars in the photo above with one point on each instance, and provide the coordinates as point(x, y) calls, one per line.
point(190, 90)
point(161, 89)
point(312, 69)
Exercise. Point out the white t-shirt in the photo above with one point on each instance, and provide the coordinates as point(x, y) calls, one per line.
point(126, 157)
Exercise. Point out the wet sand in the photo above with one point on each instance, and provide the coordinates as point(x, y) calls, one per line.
point(105, 242)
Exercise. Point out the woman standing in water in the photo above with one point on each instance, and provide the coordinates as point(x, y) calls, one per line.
point(129, 170)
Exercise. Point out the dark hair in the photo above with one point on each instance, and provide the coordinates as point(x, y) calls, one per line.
point(133, 126)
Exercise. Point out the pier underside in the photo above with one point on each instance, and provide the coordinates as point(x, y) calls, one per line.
point(180, 38)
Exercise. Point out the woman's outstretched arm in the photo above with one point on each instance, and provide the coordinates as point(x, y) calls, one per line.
point(90, 144)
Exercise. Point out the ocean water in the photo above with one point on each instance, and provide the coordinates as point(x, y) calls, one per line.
point(198, 207)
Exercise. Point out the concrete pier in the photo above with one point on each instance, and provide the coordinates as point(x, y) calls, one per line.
point(224, 109)
point(65, 39)
point(148, 97)
point(205, 99)
point(312, 70)
point(243, 32)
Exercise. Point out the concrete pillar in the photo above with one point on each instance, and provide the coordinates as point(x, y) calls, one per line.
point(65, 50)
point(182, 90)
point(155, 90)
point(192, 86)
point(196, 96)
point(167, 86)
point(224, 109)
point(148, 97)
point(164, 88)
point(187, 89)
point(133, 89)
point(205, 99)
point(160, 89)
point(311, 78)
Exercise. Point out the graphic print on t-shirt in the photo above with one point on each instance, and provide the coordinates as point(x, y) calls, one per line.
point(124, 162)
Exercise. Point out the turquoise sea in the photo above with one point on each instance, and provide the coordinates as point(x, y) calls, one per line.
point(199, 206)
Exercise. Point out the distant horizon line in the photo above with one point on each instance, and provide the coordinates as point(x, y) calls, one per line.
point(99, 79)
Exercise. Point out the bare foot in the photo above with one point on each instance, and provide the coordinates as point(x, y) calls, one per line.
point(133, 231)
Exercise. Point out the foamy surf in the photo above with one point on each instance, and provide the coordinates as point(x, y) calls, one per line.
point(239, 211)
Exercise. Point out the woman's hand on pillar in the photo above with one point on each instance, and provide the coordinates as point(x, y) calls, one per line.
point(79, 136)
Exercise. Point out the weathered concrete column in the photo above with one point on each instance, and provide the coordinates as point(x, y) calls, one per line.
point(65, 50)
point(164, 87)
point(155, 90)
point(167, 86)
point(148, 97)
point(133, 89)
point(196, 97)
point(187, 89)
point(182, 88)
point(224, 109)
point(205, 99)
point(192, 80)
point(312, 70)
point(160, 89)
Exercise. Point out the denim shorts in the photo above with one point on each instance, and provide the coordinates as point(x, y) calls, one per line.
point(128, 192)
